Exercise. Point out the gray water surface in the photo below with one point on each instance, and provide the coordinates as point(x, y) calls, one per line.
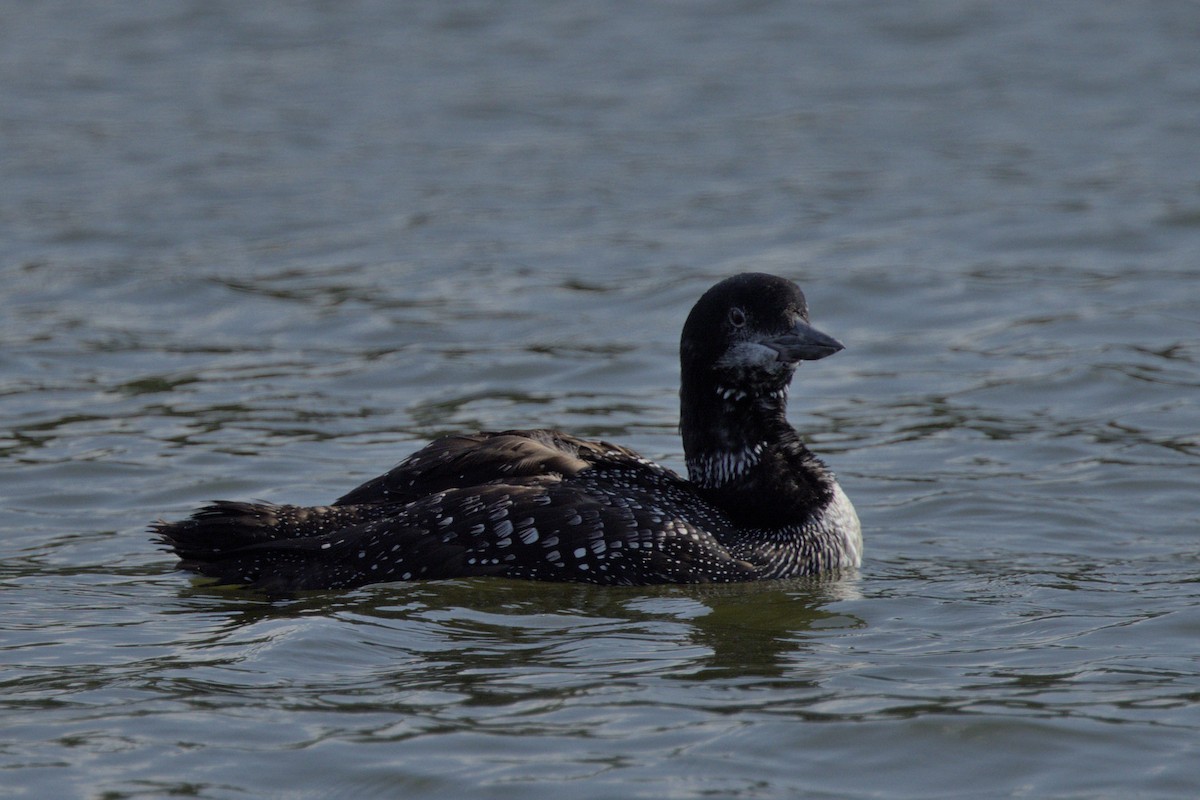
point(265, 250)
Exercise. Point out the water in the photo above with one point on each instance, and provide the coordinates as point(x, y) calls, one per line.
point(265, 250)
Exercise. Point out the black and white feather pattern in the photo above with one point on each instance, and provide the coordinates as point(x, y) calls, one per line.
point(544, 505)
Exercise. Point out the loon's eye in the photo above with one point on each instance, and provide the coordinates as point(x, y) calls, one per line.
point(737, 317)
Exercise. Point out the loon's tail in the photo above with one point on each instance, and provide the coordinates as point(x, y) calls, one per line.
point(270, 547)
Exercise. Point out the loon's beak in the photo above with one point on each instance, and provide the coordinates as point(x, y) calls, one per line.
point(804, 343)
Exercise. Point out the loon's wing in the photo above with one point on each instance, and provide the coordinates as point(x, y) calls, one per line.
point(541, 528)
point(480, 458)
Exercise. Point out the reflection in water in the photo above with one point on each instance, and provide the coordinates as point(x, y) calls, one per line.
point(492, 629)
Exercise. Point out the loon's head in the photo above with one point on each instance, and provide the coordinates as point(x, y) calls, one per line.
point(747, 334)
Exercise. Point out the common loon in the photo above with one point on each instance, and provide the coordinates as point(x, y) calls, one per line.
point(545, 505)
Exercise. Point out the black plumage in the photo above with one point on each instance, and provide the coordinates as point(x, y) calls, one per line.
point(545, 505)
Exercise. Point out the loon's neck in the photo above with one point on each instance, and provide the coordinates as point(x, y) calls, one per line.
point(726, 433)
point(745, 456)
